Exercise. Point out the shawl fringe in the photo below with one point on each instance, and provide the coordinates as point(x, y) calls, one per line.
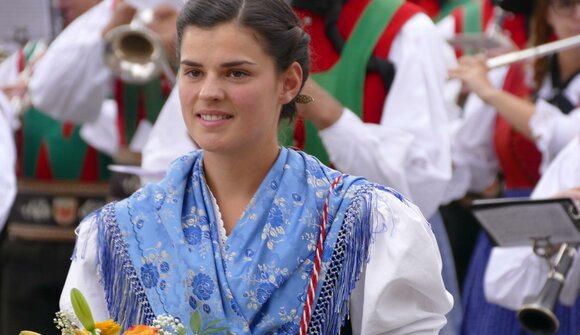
point(126, 299)
point(350, 255)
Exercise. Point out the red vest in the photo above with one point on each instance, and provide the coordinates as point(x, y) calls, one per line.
point(324, 56)
point(518, 157)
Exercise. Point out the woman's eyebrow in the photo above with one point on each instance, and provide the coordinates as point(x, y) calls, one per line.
point(226, 64)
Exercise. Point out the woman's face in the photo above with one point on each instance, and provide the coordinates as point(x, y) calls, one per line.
point(564, 17)
point(231, 93)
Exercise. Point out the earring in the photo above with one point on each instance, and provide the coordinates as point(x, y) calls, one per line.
point(303, 99)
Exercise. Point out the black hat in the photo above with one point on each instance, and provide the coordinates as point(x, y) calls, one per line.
point(516, 6)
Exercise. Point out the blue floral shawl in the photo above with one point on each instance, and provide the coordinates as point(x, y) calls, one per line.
point(160, 251)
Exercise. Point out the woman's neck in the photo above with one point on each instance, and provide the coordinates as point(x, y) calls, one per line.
point(234, 178)
point(568, 63)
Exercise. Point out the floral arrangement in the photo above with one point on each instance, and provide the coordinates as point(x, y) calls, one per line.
point(162, 324)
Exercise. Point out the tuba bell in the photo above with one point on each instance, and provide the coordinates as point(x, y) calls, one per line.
point(134, 53)
point(538, 315)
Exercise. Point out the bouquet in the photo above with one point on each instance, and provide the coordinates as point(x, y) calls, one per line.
point(162, 324)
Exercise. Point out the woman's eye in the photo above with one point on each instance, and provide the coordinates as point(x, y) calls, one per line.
point(192, 73)
point(237, 74)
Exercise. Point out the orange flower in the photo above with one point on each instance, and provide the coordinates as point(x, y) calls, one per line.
point(108, 327)
point(141, 330)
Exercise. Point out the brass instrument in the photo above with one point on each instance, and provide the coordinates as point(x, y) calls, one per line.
point(134, 53)
point(537, 316)
point(534, 52)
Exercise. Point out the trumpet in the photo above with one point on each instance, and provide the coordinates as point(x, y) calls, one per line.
point(134, 53)
point(534, 52)
point(537, 316)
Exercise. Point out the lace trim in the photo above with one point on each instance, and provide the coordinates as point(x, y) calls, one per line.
point(221, 229)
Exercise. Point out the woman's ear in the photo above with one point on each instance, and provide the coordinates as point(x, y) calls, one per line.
point(292, 81)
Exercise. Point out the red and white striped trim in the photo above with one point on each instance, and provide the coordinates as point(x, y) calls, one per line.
point(313, 284)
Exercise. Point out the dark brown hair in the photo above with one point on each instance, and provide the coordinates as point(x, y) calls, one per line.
point(540, 33)
point(274, 21)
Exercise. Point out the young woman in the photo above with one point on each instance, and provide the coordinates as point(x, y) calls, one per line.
point(233, 230)
point(505, 131)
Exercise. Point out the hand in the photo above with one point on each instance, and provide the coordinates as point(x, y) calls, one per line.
point(163, 24)
point(123, 14)
point(18, 89)
point(324, 111)
point(572, 193)
point(473, 72)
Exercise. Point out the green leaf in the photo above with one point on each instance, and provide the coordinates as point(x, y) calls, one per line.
point(214, 330)
point(213, 323)
point(195, 323)
point(82, 310)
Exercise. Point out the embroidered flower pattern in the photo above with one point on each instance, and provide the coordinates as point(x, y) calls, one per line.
point(196, 228)
point(149, 275)
point(203, 286)
point(274, 231)
point(284, 217)
point(192, 235)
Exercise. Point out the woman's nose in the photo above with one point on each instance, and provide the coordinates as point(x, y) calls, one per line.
point(211, 89)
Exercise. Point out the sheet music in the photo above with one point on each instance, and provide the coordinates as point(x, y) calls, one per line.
point(518, 224)
point(22, 20)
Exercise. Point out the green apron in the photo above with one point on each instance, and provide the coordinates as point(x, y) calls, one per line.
point(66, 151)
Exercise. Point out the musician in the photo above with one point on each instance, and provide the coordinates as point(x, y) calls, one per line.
point(72, 81)
point(383, 118)
point(60, 179)
point(516, 273)
point(505, 131)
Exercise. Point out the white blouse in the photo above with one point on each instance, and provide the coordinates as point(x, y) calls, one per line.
point(401, 290)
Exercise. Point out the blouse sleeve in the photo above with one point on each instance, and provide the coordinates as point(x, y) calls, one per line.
point(168, 139)
point(401, 291)
point(409, 150)
point(83, 273)
point(71, 79)
point(553, 130)
point(475, 163)
point(7, 159)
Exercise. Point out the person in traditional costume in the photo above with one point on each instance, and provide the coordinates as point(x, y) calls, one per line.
point(232, 231)
point(502, 131)
point(74, 83)
point(406, 150)
point(513, 274)
point(382, 107)
point(483, 18)
point(60, 179)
